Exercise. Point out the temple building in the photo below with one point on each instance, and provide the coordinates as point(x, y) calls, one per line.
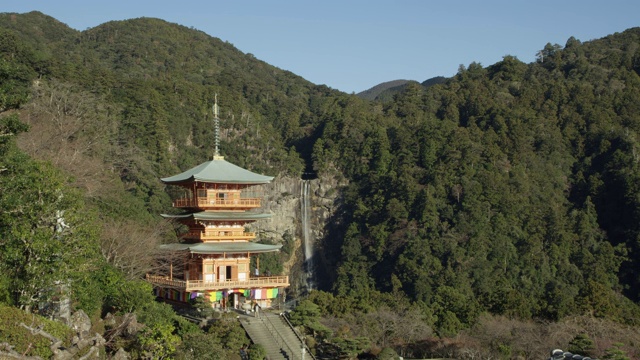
point(219, 200)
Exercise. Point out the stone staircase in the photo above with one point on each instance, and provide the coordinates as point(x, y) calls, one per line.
point(275, 335)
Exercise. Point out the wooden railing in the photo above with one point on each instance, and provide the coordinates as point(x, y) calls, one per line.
point(207, 202)
point(165, 281)
point(220, 235)
point(194, 285)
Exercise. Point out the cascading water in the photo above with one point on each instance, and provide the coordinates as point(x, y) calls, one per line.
point(307, 240)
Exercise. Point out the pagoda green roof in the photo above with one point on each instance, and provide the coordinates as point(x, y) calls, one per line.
point(218, 170)
point(222, 247)
point(221, 216)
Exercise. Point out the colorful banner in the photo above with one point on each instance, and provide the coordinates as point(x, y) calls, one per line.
point(176, 295)
point(262, 294)
point(272, 293)
point(254, 294)
point(216, 295)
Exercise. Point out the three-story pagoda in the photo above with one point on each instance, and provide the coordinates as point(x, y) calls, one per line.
point(219, 200)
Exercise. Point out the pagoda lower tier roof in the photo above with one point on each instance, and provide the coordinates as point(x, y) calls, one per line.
point(219, 171)
point(219, 216)
point(222, 247)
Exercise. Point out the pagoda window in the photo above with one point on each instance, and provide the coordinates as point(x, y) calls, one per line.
point(242, 272)
point(208, 272)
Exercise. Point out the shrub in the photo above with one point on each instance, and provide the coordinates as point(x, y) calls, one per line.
point(257, 352)
point(22, 340)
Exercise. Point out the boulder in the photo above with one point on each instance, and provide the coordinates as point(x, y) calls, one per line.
point(121, 354)
point(81, 323)
point(109, 320)
point(131, 325)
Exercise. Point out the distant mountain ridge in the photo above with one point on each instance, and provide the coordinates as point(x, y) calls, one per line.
point(373, 92)
point(386, 90)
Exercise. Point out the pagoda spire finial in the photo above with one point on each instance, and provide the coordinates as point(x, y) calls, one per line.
point(216, 125)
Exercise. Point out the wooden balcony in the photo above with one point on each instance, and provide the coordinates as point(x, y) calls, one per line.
point(219, 235)
point(213, 203)
point(202, 285)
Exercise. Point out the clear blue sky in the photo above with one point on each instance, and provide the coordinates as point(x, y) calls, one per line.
point(354, 45)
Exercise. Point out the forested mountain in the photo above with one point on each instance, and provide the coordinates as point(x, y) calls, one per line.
point(515, 185)
point(511, 189)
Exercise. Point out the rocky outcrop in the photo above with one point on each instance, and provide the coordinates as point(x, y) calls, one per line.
point(283, 200)
point(83, 345)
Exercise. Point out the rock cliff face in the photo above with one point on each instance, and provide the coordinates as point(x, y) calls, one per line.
point(283, 199)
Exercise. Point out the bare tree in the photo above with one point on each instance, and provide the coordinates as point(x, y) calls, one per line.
point(73, 130)
point(384, 327)
point(133, 248)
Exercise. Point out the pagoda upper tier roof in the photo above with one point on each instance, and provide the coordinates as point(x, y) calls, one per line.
point(220, 216)
point(222, 247)
point(220, 171)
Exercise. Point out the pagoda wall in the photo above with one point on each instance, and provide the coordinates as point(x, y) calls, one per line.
point(210, 267)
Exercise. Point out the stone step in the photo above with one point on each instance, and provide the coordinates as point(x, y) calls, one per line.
point(259, 333)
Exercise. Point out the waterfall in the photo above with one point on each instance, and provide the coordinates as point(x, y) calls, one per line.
point(307, 240)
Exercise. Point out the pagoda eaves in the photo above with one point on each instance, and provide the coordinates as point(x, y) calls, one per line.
point(222, 247)
point(219, 216)
point(219, 171)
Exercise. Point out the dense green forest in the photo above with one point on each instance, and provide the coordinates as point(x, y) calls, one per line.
point(506, 195)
